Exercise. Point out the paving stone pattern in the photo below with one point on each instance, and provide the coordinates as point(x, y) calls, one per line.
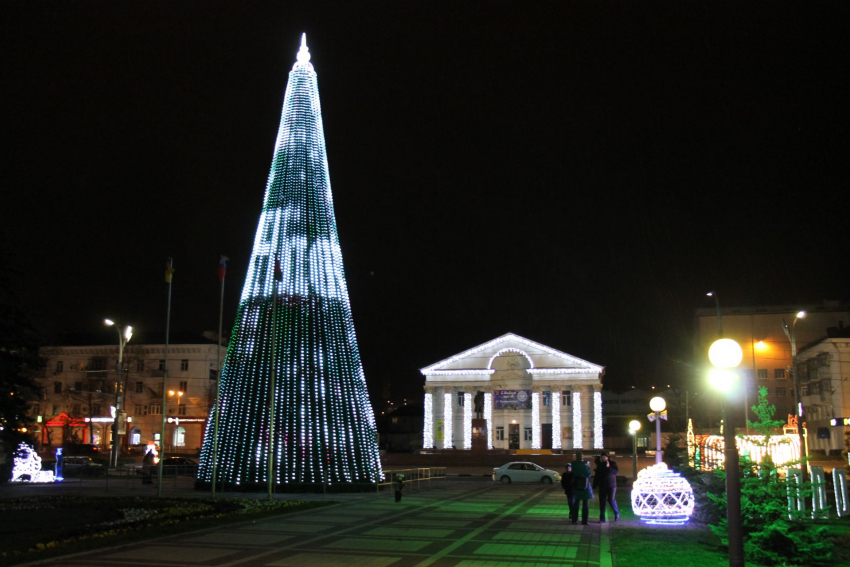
point(458, 524)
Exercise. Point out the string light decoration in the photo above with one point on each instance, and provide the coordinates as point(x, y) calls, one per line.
point(467, 421)
point(577, 433)
point(488, 416)
point(428, 432)
point(597, 420)
point(691, 444)
point(27, 466)
point(783, 449)
point(447, 421)
point(535, 420)
point(294, 325)
point(556, 420)
point(661, 496)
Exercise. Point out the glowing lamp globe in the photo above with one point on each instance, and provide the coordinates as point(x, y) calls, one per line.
point(722, 380)
point(657, 404)
point(725, 353)
point(634, 425)
point(661, 496)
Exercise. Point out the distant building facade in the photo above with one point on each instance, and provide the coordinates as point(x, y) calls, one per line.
point(767, 351)
point(80, 381)
point(513, 393)
point(823, 369)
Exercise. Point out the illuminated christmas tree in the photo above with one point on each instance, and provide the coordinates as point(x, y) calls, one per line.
point(294, 332)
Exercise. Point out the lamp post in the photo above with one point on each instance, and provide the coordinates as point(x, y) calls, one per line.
point(658, 405)
point(790, 332)
point(725, 354)
point(634, 426)
point(123, 339)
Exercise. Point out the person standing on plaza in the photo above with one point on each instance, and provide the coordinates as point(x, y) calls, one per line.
point(398, 485)
point(582, 490)
point(567, 485)
point(147, 465)
point(605, 480)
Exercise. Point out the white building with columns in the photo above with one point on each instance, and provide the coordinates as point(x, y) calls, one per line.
point(513, 393)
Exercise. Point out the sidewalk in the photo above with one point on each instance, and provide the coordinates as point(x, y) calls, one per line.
point(459, 524)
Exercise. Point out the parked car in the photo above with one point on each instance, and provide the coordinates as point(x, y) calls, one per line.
point(524, 472)
point(178, 465)
point(81, 466)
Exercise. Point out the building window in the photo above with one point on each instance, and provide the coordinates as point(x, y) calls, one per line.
point(78, 386)
point(779, 373)
point(460, 399)
point(527, 435)
point(781, 392)
point(762, 375)
point(155, 409)
point(57, 387)
point(60, 366)
point(55, 409)
point(140, 366)
point(547, 399)
point(500, 434)
point(137, 410)
point(140, 387)
point(213, 374)
point(184, 385)
point(162, 365)
point(95, 409)
point(75, 409)
point(35, 409)
point(182, 411)
point(184, 364)
point(566, 399)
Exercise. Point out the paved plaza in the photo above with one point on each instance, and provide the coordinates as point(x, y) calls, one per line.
point(454, 524)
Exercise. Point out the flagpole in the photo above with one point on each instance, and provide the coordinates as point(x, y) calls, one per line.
point(222, 271)
point(169, 271)
point(272, 376)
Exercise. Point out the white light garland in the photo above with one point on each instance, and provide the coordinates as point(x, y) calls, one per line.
point(27, 467)
point(564, 370)
point(535, 420)
point(556, 420)
point(461, 372)
point(488, 416)
point(577, 434)
point(428, 432)
point(783, 449)
point(512, 337)
point(661, 496)
point(447, 421)
point(597, 421)
point(507, 350)
point(467, 421)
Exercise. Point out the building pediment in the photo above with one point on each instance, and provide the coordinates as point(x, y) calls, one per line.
point(511, 352)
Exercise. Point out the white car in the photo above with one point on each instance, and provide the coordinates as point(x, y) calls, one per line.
point(524, 472)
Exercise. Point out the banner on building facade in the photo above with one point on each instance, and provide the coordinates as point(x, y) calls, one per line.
point(512, 399)
point(439, 434)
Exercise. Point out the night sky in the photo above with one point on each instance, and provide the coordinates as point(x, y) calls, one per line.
point(579, 173)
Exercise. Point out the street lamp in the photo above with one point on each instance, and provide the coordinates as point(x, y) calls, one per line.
point(179, 395)
point(123, 339)
point(725, 354)
point(658, 405)
point(634, 426)
point(790, 332)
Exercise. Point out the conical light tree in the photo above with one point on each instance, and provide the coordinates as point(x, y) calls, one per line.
point(294, 333)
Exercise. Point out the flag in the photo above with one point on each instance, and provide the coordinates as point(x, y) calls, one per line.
point(222, 268)
point(169, 270)
point(278, 273)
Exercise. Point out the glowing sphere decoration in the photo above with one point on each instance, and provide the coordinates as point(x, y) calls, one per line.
point(661, 496)
point(725, 353)
point(657, 404)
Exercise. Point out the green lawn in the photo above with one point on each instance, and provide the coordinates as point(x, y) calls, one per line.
point(37, 528)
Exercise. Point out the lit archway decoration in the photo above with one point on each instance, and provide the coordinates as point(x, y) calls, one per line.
point(661, 496)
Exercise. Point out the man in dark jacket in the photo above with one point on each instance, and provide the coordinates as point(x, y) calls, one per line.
point(605, 480)
point(582, 491)
point(567, 485)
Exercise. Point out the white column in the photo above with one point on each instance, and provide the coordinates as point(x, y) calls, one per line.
point(467, 420)
point(597, 420)
point(556, 419)
point(587, 415)
point(535, 420)
point(447, 420)
point(577, 443)
point(488, 415)
point(428, 430)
